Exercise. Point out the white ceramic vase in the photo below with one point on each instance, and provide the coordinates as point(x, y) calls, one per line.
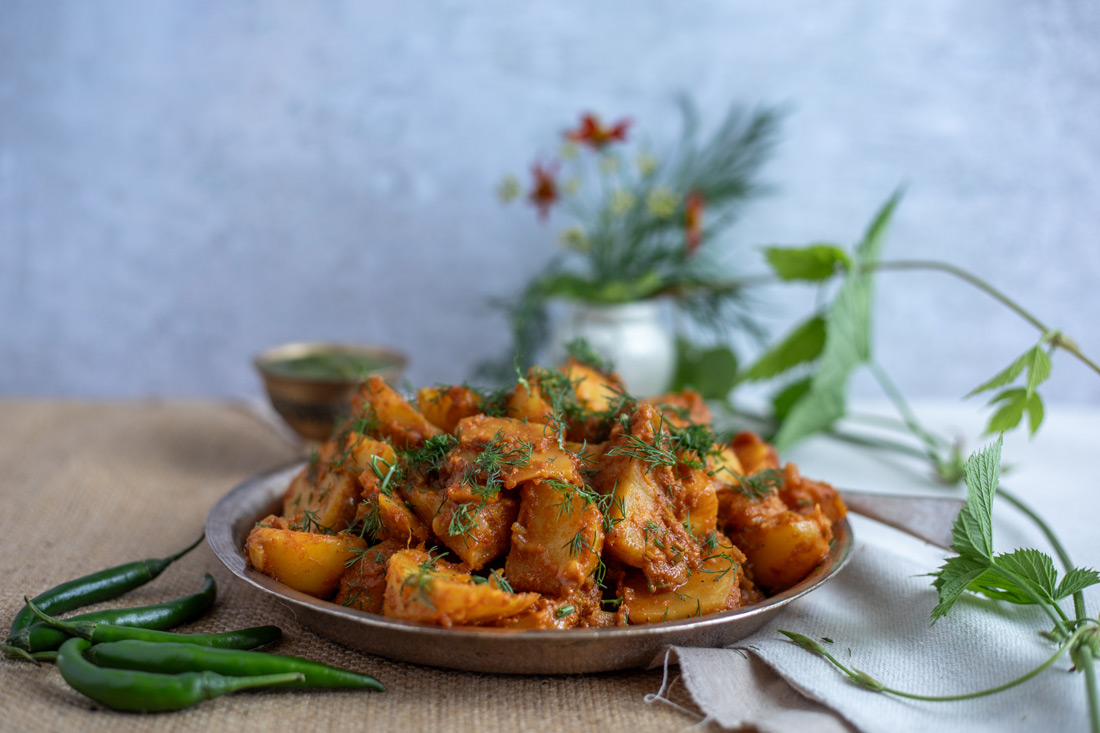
point(635, 336)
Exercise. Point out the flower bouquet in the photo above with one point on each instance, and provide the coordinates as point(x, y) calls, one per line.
point(642, 223)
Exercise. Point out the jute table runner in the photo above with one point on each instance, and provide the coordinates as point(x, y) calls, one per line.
point(87, 486)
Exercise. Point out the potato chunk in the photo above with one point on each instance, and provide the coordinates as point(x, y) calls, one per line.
point(307, 562)
point(325, 490)
point(363, 584)
point(524, 451)
point(420, 588)
point(753, 453)
point(556, 539)
point(645, 531)
point(782, 546)
point(477, 533)
point(802, 495)
point(444, 407)
point(389, 415)
point(714, 586)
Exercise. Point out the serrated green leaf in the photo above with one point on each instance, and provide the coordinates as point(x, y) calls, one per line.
point(1033, 567)
point(1034, 360)
point(995, 585)
point(786, 399)
point(813, 262)
point(1076, 580)
point(952, 579)
point(802, 344)
point(975, 521)
point(1010, 413)
point(1007, 376)
point(1034, 413)
point(1038, 370)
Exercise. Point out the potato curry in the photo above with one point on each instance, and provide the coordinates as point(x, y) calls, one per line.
point(560, 503)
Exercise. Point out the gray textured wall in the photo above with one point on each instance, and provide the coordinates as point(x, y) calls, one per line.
point(185, 182)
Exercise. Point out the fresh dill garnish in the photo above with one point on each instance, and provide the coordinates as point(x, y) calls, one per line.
point(671, 445)
point(461, 520)
point(353, 597)
point(421, 579)
point(372, 519)
point(499, 453)
point(730, 565)
point(577, 544)
point(429, 455)
point(497, 577)
point(607, 502)
point(312, 523)
point(759, 484)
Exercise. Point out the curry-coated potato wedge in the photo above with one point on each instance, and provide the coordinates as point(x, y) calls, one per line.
point(595, 391)
point(367, 454)
point(445, 406)
point(424, 498)
point(528, 451)
point(556, 539)
point(390, 416)
point(388, 518)
point(714, 586)
point(724, 465)
point(645, 532)
point(363, 584)
point(477, 533)
point(526, 403)
point(419, 588)
point(802, 495)
point(695, 497)
point(305, 561)
point(785, 548)
point(329, 494)
point(753, 453)
point(682, 408)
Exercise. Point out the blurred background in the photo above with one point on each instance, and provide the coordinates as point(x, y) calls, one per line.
point(184, 183)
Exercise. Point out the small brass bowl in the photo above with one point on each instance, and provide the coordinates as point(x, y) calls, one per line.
point(311, 385)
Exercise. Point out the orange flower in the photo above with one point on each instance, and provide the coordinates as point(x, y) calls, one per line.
point(545, 191)
point(693, 221)
point(591, 133)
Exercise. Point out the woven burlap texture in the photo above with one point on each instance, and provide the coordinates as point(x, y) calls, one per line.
point(88, 486)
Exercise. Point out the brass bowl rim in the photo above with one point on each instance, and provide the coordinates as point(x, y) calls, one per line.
point(395, 360)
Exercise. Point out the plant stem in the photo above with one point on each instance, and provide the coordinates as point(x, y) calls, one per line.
point(902, 406)
point(865, 680)
point(982, 285)
point(991, 691)
point(1091, 689)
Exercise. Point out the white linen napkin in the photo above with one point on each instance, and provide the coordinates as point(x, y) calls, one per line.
point(877, 613)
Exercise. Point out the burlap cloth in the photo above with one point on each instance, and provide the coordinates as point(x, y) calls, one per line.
point(85, 487)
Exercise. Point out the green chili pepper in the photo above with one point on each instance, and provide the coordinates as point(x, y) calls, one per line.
point(99, 632)
point(177, 658)
point(40, 637)
point(101, 586)
point(148, 692)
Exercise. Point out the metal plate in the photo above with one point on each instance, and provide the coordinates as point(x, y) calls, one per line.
point(504, 651)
